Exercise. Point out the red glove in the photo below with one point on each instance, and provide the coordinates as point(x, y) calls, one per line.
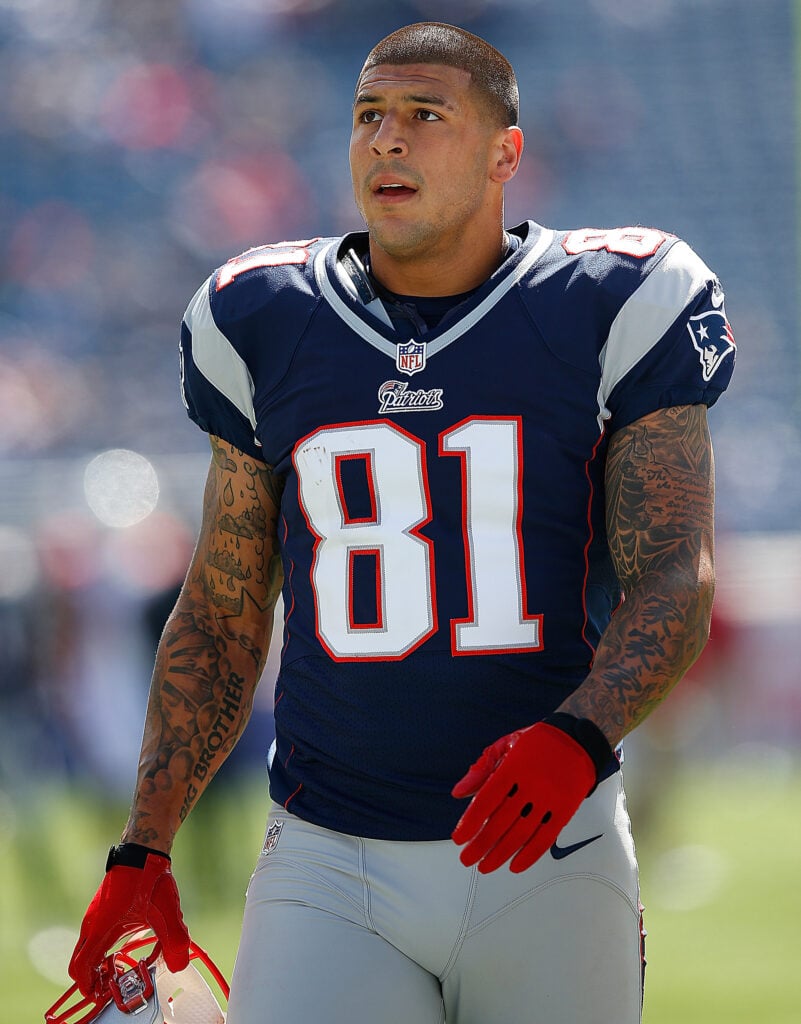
point(138, 892)
point(526, 787)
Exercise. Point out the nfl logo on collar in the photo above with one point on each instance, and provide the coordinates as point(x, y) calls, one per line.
point(411, 357)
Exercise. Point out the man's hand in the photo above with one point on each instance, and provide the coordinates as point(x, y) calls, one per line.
point(138, 892)
point(526, 787)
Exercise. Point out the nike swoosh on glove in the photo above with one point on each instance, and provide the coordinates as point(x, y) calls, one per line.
point(130, 898)
point(526, 787)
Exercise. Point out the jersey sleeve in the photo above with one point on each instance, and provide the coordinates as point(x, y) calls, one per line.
point(670, 344)
point(216, 384)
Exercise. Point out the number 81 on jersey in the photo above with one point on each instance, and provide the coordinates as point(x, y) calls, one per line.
point(389, 535)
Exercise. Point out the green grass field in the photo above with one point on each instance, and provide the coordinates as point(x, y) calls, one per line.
point(721, 880)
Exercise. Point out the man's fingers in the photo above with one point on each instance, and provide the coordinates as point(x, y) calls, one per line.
point(167, 922)
point(87, 957)
point(478, 773)
point(508, 845)
point(471, 782)
point(490, 833)
point(487, 800)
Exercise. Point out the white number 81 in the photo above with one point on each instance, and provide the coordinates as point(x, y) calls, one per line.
point(491, 459)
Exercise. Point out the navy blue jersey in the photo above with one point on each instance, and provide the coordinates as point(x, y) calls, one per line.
point(447, 573)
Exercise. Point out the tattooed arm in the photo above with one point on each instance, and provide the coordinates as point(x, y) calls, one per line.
point(213, 648)
point(659, 513)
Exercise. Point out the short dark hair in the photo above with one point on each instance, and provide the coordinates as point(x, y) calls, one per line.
point(434, 42)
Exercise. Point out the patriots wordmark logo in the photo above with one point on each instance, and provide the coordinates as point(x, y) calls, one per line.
point(395, 396)
point(272, 836)
point(712, 338)
point(410, 357)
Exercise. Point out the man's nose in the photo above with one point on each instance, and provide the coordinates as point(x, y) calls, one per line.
point(388, 139)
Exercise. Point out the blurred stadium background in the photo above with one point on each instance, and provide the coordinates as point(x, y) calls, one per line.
point(141, 144)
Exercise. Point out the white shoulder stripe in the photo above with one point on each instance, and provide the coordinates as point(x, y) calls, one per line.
point(648, 313)
point(216, 358)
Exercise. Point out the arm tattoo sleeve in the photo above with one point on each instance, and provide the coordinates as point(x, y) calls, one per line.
point(213, 648)
point(660, 500)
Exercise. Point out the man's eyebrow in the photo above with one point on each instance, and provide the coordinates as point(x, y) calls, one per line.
point(426, 99)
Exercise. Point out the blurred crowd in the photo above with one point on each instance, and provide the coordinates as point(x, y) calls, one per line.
point(141, 144)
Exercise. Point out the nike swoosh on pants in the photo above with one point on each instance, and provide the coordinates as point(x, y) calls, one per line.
point(559, 852)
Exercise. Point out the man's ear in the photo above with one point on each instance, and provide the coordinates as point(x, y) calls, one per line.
point(508, 154)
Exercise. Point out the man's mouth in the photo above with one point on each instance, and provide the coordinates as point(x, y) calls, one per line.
point(394, 190)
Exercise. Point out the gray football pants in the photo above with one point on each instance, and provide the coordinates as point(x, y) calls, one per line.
point(344, 930)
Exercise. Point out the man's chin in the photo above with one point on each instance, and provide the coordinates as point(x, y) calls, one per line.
point(400, 241)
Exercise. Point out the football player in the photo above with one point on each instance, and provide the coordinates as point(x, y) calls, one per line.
point(475, 459)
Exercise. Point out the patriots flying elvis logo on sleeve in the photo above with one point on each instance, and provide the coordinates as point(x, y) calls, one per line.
point(712, 339)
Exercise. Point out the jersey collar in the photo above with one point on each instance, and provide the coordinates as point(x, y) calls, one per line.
point(371, 322)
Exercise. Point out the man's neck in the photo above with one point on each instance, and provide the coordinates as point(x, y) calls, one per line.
point(459, 269)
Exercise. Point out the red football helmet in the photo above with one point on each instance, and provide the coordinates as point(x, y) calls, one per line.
point(145, 987)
